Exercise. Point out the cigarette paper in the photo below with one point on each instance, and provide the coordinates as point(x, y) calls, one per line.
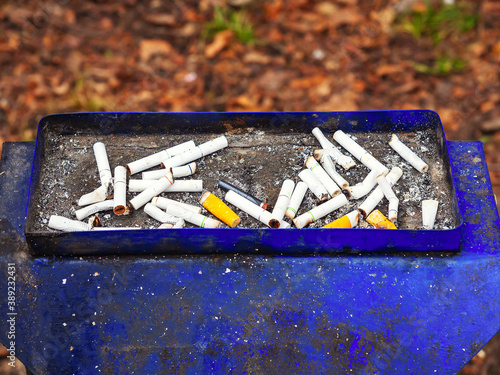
point(323, 177)
point(82, 213)
point(349, 220)
point(156, 159)
point(296, 200)
point(153, 190)
point(376, 195)
point(328, 165)
point(359, 152)
point(429, 211)
point(164, 202)
point(219, 209)
point(98, 195)
point(391, 197)
point(320, 211)
point(120, 190)
point(178, 172)
point(406, 153)
point(345, 161)
point(193, 218)
point(249, 207)
point(281, 203)
point(183, 186)
point(101, 157)
point(314, 184)
point(160, 215)
point(196, 152)
point(360, 190)
point(180, 224)
point(379, 221)
point(226, 186)
point(67, 225)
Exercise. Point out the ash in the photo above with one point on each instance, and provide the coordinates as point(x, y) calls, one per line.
point(255, 161)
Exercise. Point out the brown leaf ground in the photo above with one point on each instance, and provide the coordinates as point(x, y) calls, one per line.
point(255, 55)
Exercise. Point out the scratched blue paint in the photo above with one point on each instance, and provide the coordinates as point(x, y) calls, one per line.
point(226, 240)
point(374, 313)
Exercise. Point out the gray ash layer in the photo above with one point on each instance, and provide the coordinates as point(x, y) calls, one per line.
point(255, 161)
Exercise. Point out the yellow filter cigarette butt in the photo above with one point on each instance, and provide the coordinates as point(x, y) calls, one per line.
point(219, 209)
point(379, 221)
point(342, 222)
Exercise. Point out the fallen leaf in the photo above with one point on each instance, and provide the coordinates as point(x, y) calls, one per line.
point(162, 19)
point(150, 47)
point(307, 82)
point(220, 41)
point(389, 69)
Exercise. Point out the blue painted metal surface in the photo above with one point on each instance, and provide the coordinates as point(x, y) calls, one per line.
point(407, 313)
point(196, 240)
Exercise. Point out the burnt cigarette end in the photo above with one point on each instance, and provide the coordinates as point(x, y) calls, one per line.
point(273, 223)
point(119, 210)
point(128, 169)
point(347, 193)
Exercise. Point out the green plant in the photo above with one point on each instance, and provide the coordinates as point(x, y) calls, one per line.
point(236, 21)
point(442, 65)
point(439, 23)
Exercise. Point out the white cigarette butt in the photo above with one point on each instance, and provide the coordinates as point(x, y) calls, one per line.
point(160, 215)
point(101, 158)
point(391, 197)
point(250, 208)
point(314, 184)
point(98, 195)
point(406, 153)
point(153, 190)
point(82, 213)
point(345, 161)
point(197, 152)
point(199, 220)
point(120, 190)
point(184, 186)
point(320, 211)
point(327, 163)
point(360, 190)
point(178, 172)
point(281, 203)
point(323, 177)
point(296, 200)
point(429, 211)
point(376, 195)
point(162, 203)
point(156, 159)
point(67, 225)
point(359, 152)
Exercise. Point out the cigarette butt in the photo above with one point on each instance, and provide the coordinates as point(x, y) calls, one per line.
point(184, 186)
point(157, 187)
point(98, 195)
point(226, 186)
point(94, 222)
point(248, 206)
point(359, 152)
point(429, 211)
point(82, 213)
point(376, 195)
point(345, 161)
point(324, 178)
point(156, 159)
point(178, 172)
point(196, 152)
point(162, 202)
point(314, 184)
point(219, 209)
point(320, 211)
point(349, 220)
point(282, 203)
point(67, 225)
point(120, 191)
point(160, 215)
point(101, 158)
point(379, 221)
point(406, 153)
point(296, 200)
point(199, 220)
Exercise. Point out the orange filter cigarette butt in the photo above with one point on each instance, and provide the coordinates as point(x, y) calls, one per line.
point(219, 209)
point(379, 221)
point(349, 220)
